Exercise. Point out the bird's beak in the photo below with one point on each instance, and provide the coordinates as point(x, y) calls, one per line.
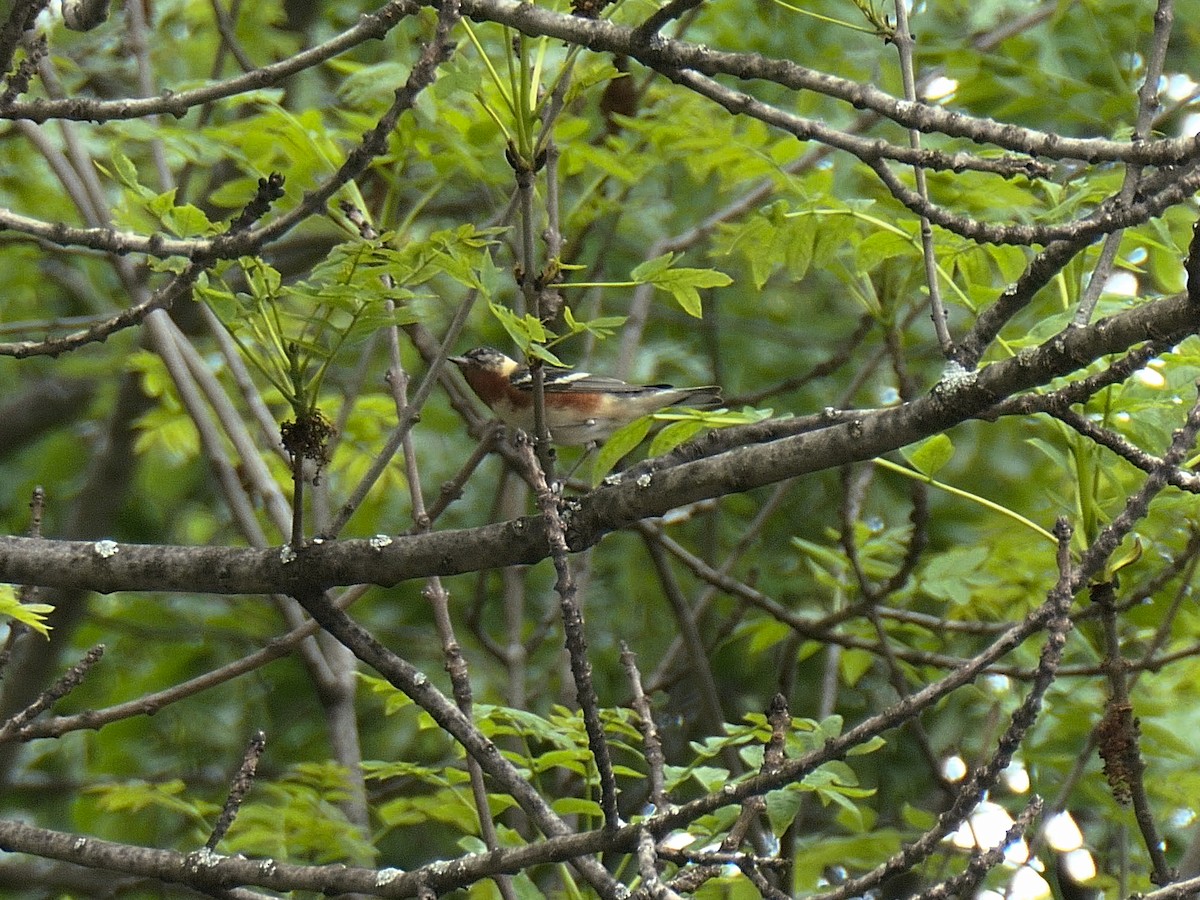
point(457, 360)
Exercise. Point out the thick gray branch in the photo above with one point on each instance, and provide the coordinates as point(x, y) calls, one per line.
point(179, 103)
point(649, 491)
point(662, 54)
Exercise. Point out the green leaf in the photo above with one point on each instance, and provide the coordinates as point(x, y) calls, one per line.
point(920, 819)
point(831, 726)
point(370, 83)
point(682, 284)
point(540, 351)
point(443, 806)
point(622, 441)
point(601, 327)
point(394, 700)
point(588, 77)
point(880, 247)
point(854, 665)
point(751, 240)
point(127, 174)
point(377, 770)
point(31, 614)
point(766, 634)
point(577, 806)
point(794, 242)
point(734, 886)
point(955, 574)
point(928, 456)
point(525, 330)
point(162, 204)
point(234, 193)
point(711, 778)
point(651, 268)
point(576, 760)
point(869, 746)
point(782, 807)
point(1125, 559)
point(675, 434)
point(504, 720)
point(823, 850)
point(137, 796)
point(188, 221)
point(488, 274)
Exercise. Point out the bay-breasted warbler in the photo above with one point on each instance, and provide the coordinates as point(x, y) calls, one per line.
point(581, 408)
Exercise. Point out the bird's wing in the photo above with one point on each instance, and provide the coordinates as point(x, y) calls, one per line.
point(585, 381)
point(561, 381)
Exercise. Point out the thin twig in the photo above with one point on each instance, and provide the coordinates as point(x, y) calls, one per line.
point(1136, 507)
point(177, 103)
point(163, 298)
point(749, 536)
point(151, 703)
point(238, 789)
point(652, 884)
point(66, 683)
point(411, 412)
point(1131, 453)
point(651, 744)
point(698, 655)
point(1148, 104)
point(226, 28)
point(451, 490)
point(903, 39)
point(1058, 624)
point(20, 19)
point(965, 883)
point(662, 16)
point(573, 631)
point(439, 598)
point(1118, 738)
point(1109, 217)
point(417, 685)
point(136, 41)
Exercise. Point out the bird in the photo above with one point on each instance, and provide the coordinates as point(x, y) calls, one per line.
point(581, 409)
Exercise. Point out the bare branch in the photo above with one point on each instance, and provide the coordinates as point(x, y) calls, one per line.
point(647, 490)
point(177, 103)
point(238, 790)
point(573, 631)
point(665, 55)
point(164, 298)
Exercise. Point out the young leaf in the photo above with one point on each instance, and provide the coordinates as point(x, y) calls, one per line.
point(683, 283)
point(623, 440)
point(31, 614)
point(128, 176)
point(651, 268)
point(541, 352)
point(577, 806)
point(524, 330)
point(675, 434)
point(782, 807)
point(601, 327)
point(188, 220)
point(928, 456)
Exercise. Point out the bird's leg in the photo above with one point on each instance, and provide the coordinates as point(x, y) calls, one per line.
point(588, 449)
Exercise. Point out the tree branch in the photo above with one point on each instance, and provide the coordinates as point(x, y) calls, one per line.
point(651, 489)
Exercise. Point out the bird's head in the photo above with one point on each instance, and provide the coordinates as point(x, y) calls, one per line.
point(485, 360)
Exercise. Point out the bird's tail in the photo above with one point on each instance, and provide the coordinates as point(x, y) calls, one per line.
point(706, 397)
